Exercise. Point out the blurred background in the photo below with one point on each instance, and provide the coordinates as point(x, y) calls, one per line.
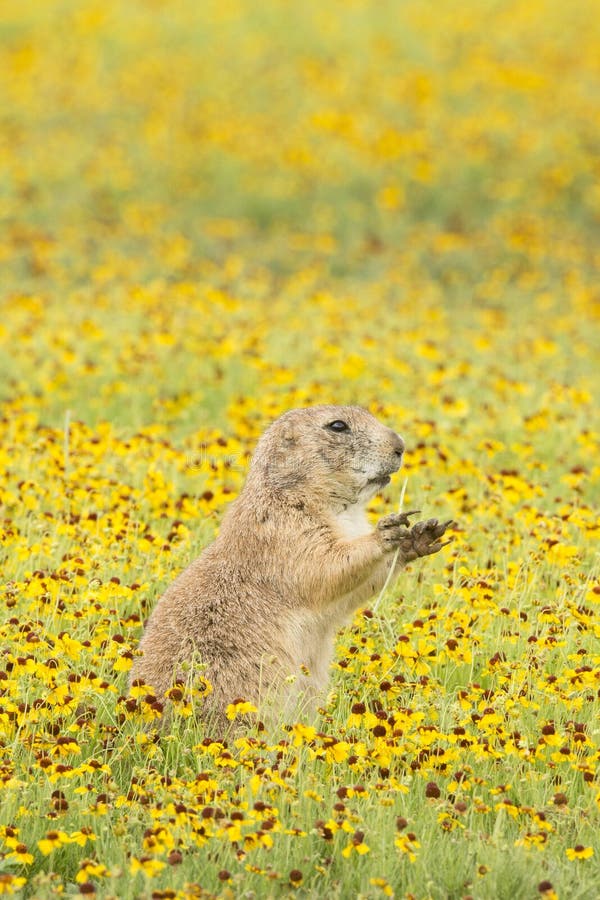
point(276, 186)
point(349, 123)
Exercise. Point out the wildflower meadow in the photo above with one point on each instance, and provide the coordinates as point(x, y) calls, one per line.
point(211, 213)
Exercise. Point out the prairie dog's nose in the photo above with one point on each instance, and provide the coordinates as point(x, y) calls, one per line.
point(398, 445)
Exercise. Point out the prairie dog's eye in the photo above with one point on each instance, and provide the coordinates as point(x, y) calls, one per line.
point(338, 426)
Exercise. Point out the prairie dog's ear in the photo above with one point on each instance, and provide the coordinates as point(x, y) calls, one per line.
point(276, 457)
point(287, 433)
point(283, 465)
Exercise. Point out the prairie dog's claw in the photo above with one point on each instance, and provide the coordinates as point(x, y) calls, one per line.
point(422, 539)
point(397, 520)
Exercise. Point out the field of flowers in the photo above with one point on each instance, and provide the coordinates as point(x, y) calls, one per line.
point(213, 212)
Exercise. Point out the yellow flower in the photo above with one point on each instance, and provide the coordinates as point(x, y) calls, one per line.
point(408, 844)
point(384, 885)
point(240, 708)
point(579, 852)
point(417, 659)
point(336, 751)
point(147, 865)
point(90, 869)
point(124, 662)
point(508, 806)
point(21, 855)
point(9, 884)
point(449, 822)
point(233, 831)
point(82, 837)
point(158, 839)
point(65, 747)
point(66, 645)
point(303, 734)
point(536, 839)
point(357, 845)
point(52, 841)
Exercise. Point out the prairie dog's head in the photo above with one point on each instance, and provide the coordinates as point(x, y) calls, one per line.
point(341, 454)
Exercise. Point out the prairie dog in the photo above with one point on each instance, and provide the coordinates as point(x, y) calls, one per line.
point(294, 558)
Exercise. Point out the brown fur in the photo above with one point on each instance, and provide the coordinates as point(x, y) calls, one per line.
point(295, 557)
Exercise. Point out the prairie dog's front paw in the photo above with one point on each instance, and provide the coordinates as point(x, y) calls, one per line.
point(422, 539)
point(391, 529)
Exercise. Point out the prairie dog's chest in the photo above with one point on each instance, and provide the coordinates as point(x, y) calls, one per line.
point(352, 523)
